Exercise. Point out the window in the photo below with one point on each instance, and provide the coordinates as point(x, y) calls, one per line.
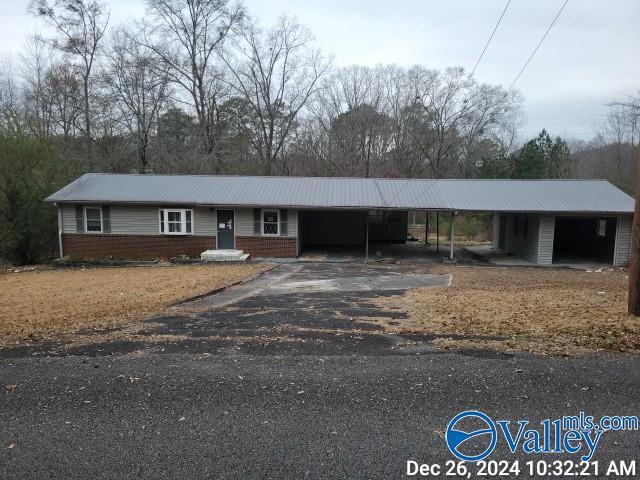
point(270, 222)
point(525, 231)
point(516, 226)
point(176, 221)
point(93, 219)
point(602, 228)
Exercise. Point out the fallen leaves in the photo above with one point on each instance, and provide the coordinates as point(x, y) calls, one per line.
point(35, 304)
point(548, 311)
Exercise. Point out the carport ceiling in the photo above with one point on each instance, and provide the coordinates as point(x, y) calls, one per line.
point(591, 196)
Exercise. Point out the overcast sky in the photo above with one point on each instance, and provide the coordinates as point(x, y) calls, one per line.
point(589, 58)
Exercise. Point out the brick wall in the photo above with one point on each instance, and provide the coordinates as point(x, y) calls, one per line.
point(89, 246)
point(261, 247)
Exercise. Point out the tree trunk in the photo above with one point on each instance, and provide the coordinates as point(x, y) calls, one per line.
point(87, 125)
point(634, 254)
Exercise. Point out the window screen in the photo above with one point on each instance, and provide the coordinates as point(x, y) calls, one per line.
point(270, 222)
point(174, 221)
point(94, 219)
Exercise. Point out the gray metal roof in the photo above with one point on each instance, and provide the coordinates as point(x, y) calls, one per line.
point(332, 192)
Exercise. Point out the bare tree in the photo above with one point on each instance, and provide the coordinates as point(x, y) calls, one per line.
point(66, 99)
point(11, 107)
point(138, 87)
point(454, 112)
point(350, 115)
point(187, 41)
point(37, 63)
point(80, 25)
point(275, 71)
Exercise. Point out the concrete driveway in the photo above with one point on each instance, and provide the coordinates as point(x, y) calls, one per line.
point(289, 376)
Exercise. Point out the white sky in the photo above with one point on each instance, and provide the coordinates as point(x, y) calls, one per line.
point(588, 59)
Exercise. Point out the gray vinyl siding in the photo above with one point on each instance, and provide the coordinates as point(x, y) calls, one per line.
point(141, 220)
point(135, 220)
point(204, 222)
point(623, 240)
point(68, 218)
point(292, 221)
point(244, 222)
point(517, 244)
point(495, 231)
point(545, 240)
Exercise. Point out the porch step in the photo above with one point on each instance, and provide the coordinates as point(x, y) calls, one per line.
point(224, 256)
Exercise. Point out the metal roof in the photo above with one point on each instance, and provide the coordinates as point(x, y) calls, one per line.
point(334, 192)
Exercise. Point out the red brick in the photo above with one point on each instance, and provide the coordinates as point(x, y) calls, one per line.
point(89, 246)
point(274, 247)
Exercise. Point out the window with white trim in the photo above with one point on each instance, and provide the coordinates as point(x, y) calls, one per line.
point(93, 219)
point(602, 228)
point(176, 221)
point(270, 222)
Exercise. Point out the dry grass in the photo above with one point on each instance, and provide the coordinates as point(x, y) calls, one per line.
point(549, 311)
point(35, 304)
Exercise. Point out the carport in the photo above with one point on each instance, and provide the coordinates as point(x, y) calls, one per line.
point(356, 232)
point(584, 239)
point(332, 228)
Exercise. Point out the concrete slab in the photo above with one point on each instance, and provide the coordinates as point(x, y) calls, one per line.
point(294, 278)
point(497, 257)
point(224, 255)
point(401, 253)
point(361, 284)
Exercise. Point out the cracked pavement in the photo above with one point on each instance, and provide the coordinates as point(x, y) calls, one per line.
point(286, 376)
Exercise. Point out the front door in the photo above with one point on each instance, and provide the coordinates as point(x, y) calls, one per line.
point(225, 229)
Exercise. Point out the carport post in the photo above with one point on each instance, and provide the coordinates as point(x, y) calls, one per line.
point(438, 232)
point(453, 217)
point(426, 228)
point(366, 240)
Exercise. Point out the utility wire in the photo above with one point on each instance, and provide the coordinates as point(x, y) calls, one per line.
point(490, 38)
point(540, 43)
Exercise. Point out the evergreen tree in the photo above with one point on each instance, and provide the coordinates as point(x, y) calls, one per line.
point(542, 157)
point(28, 173)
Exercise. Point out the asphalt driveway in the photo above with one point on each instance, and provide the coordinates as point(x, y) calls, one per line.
point(289, 376)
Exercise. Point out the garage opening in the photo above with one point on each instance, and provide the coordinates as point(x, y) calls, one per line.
point(584, 239)
point(345, 231)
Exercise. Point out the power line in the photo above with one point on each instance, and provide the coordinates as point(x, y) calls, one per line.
point(490, 38)
point(540, 43)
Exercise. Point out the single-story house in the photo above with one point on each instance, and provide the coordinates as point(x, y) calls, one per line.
point(143, 216)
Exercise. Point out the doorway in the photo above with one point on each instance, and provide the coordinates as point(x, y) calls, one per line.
point(584, 238)
point(226, 227)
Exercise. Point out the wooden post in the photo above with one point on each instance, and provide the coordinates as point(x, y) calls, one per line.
point(634, 254)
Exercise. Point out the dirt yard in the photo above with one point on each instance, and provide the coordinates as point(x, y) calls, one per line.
point(36, 304)
point(548, 311)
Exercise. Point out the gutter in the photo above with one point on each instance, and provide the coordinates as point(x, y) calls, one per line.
point(60, 248)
